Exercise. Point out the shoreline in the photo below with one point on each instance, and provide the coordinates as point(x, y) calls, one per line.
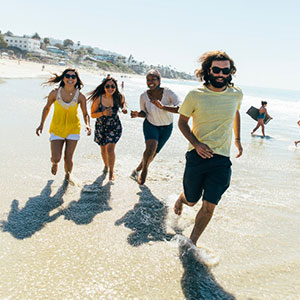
point(22, 69)
point(18, 69)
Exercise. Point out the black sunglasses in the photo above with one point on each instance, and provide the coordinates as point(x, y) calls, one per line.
point(70, 76)
point(110, 86)
point(217, 70)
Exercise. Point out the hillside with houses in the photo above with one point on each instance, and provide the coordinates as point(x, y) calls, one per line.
point(70, 53)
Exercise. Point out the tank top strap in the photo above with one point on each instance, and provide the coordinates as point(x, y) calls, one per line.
point(58, 94)
point(75, 99)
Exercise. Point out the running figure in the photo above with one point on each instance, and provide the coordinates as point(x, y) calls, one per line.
point(108, 129)
point(214, 108)
point(65, 124)
point(261, 117)
point(297, 142)
point(157, 105)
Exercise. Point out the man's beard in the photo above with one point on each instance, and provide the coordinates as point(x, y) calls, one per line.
point(217, 84)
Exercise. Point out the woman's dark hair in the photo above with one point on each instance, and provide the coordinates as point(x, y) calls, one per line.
point(264, 103)
point(206, 60)
point(59, 79)
point(99, 90)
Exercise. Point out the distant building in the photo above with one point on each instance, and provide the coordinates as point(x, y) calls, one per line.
point(24, 43)
point(54, 50)
point(105, 58)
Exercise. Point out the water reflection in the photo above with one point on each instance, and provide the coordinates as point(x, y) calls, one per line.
point(146, 219)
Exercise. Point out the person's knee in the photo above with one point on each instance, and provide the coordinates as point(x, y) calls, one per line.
point(68, 158)
point(191, 203)
point(110, 149)
point(150, 149)
point(55, 159)
point(208, 207)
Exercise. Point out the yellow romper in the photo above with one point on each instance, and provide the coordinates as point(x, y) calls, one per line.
point(65, 118)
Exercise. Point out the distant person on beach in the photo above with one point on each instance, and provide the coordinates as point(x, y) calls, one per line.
point(108, 129)
point(65, 124)
point(214, 108)
point(122, 85)
point(106, 77)
point(156, 105)
point(297, 142)
point(261, 116)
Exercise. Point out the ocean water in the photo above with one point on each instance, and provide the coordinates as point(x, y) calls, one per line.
point(103, 240)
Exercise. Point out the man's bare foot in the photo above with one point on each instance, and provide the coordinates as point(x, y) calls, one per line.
point(178, 206)
point(252, 132)
point(111, 177)
point(142, 177)
point(54, 168)
point(105, 169)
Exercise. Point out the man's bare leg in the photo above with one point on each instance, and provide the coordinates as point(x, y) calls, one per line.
point(179, 204)
point(202, 219)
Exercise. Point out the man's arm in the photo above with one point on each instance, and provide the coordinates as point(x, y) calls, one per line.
point(202, 149)
point(237, 133)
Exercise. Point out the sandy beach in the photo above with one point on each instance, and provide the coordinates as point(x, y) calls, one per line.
point(11, 68)
point(104, 240)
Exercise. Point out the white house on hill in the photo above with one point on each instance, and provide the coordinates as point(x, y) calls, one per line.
point(24, 43)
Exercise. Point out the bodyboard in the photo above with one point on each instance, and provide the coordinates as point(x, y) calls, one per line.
point(253, 112)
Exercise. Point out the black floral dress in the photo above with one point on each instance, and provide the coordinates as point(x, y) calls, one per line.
point(108, 129)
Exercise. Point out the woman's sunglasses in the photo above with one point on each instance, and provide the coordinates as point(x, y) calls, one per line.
point(217, 70)
point(110, 86)
point(70, 76)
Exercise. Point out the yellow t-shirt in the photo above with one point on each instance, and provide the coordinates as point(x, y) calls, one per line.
point(213, 114)
point(65, 119)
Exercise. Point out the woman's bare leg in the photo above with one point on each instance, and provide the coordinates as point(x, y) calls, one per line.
point(56, 151)
point(257, 126)
point(149, 153)
point(263, 129)
point(104, 157)
point(69, 151)
point(111, 159)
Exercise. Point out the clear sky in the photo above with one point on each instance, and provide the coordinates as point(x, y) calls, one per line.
point(262, 36)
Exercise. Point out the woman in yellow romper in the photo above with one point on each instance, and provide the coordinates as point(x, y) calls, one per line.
point(65, 124)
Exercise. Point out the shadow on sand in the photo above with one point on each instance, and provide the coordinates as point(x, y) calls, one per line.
point(23, 223)
point(266, 137)
point(197, 282)
point(93, 200)
point(146, 220)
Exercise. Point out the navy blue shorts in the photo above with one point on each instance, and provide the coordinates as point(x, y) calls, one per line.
point(208, 177)
point(159, 133)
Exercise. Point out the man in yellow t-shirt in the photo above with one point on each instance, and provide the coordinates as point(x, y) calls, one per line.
point(214, 109)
